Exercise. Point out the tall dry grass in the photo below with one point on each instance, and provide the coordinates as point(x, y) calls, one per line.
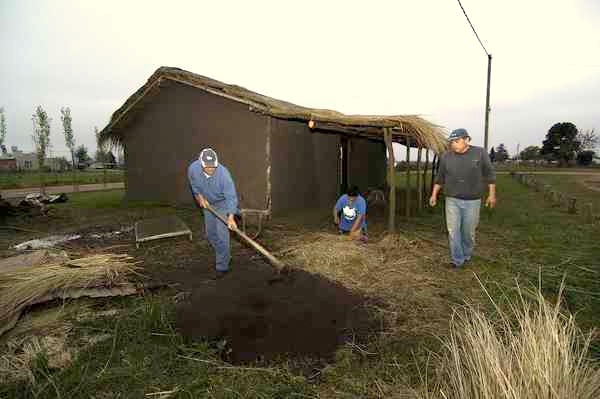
point(531, 350)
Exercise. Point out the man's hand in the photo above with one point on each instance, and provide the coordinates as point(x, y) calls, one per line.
point(490, 202)
point(433, 200)
point(355, 234)
point(336, 220)
point(231, 224)
point(202, 202)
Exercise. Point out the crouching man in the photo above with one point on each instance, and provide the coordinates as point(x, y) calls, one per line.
point(350, 214)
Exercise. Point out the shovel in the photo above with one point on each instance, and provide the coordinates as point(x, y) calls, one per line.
point(272, 259)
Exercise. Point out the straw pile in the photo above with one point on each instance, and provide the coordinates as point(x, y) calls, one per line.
point(36, 284)
point(401, 274)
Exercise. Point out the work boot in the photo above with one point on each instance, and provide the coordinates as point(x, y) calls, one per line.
point(219, 274)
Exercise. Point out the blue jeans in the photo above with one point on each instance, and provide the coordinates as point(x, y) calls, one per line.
point(462, 218)
point(217, 234)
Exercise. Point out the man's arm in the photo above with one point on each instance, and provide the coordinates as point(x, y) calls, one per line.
point(200, 200)
point(336, 210)
point(231, 200)
point(336, 218)
point(361, 208)
point(434, 194)
point(489, 174)
point(440, 179)
point(357, 224)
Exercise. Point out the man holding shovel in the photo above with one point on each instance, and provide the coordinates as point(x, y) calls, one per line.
point(464, 171)
point(211, 184)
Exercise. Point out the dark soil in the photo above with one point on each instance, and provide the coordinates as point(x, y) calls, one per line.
point(259, 319)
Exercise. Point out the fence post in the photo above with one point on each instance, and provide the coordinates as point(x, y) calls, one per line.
point(572, 205)
point(104, 173)
point(588, 212)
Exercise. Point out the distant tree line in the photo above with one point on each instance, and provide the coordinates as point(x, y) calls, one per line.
point(564, 144)
point(41, 138)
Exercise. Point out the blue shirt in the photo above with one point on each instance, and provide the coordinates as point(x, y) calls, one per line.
point(218, 189)
point(350, 212)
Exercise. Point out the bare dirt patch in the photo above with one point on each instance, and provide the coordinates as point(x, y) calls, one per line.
point(304, 314)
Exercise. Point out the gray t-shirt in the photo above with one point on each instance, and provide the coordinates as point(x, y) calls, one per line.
point(465, 176)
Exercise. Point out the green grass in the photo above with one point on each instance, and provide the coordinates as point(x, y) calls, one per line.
point(111, 199)
point(531, 238)
point(525, 238)
point(143, 356)
point(574, 186)
point(34, 179)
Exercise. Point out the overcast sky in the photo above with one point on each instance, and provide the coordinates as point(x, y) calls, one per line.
point(375, 57)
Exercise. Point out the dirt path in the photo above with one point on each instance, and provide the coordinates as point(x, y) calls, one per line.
point(22, 192)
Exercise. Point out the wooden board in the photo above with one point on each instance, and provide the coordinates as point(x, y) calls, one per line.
point(164, 227)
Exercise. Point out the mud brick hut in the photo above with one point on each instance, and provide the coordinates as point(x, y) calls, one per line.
point(282, 156)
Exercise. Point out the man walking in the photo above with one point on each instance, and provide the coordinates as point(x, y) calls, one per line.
point(211, 183)
point(463, 171)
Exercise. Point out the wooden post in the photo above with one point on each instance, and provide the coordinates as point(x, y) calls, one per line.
point(426, 194)
point(407, 176)
point(588, 212)
point(391, 176)
point(419, 191)
point(572, 205)
point(433, 171)
point(548, 192)
point(104, 173)
point(269, 199)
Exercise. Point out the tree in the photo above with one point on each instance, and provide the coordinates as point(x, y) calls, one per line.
point(81, 153)
point(100, 147)
point(588, 139)
point(586, 157)
point(41, 134)
point(501, 153)
point(2, 127)
point(492, 155)
point(68, 131)
point(530, 153)
point(62, 164)
point(561, 142)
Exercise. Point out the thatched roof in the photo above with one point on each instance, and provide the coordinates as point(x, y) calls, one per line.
point(420, 131)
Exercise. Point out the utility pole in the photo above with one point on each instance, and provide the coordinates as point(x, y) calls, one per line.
point(487, 97)
point(487, 103)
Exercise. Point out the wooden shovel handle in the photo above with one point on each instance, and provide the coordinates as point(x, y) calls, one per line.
point(274, 261)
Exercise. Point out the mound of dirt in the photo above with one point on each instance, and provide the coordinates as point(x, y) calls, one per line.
point(304, 314)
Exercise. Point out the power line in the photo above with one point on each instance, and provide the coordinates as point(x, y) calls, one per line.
point(472, 27)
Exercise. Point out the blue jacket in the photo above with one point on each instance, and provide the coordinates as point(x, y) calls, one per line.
point(351, 211)
point(218, 189)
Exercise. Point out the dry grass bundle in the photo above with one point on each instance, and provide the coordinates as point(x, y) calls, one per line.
point(393, 271)
point(533, 351)
point(22, 288)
